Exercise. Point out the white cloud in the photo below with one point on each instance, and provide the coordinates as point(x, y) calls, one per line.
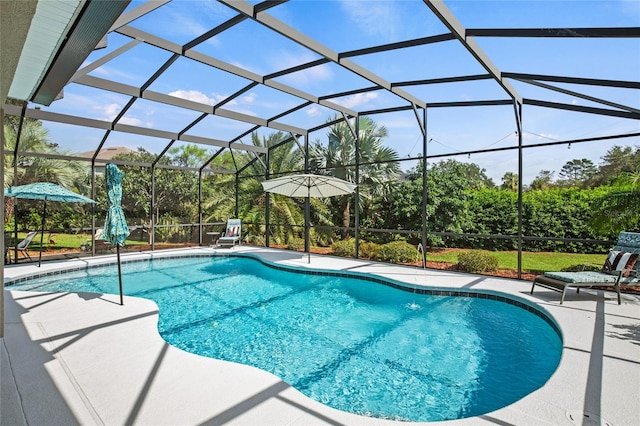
point(135, 122)
point(235, 103)
point(309, 76)
point(287, 59)
point(194, 95)
point(356, 100)
point(313, 111)
point(109, 112)
point(114, 73)
point(373, 18)
point(247, 67)
point(249, 99)
point(219, 98)
point(541, 137)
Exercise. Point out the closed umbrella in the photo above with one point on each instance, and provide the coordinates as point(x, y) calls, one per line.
point(307, 186)
point(45, 191)
point(116, 230)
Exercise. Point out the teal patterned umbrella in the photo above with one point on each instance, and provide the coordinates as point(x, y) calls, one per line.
point(45, 191)
point(116, 230)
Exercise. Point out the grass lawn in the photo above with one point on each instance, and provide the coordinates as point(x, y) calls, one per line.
point(535, 262)
point(65, 241)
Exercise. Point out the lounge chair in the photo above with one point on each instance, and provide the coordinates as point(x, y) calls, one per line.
point(232, 235)
point(22, 247)
point(621, 268)
point(99, 242)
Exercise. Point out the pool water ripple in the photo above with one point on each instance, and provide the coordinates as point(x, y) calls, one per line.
point(355, 345)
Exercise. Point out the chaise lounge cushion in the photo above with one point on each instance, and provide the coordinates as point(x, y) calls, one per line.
point(590, 277)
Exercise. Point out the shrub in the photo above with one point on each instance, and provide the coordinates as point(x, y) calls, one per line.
point(397, 252)
point(256, 240)
point(344, 248)
point(321, 237)
point(369, 250)
point(582, 267)
point(476, 261)
point(295, 244)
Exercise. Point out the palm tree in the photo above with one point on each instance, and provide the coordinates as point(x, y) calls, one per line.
point(619, 210)
point(284, 211)
point(34, 138)
point(510, 182)
point(379, 167)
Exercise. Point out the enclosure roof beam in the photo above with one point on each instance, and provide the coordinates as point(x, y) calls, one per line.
point(613, 32)
point(106, 58)
point(399, 45)
point(581, 96)
point(585, 109)
point(500, 102)
point(456, 28)
point(311, 44)
point(573, 80)
point(223, 66)
point(144, 131)
point(443, 80)
point(136, 13)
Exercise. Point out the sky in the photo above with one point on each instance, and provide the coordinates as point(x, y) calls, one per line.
point(346, 25)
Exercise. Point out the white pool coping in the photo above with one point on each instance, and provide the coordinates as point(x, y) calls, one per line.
point(84, 359)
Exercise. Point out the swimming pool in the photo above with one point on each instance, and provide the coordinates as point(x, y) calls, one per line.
point(352, 344)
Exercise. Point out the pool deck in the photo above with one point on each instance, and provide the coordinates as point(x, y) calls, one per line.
point(83, 359)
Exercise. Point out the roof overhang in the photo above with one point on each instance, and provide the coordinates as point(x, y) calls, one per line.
point(61, 36)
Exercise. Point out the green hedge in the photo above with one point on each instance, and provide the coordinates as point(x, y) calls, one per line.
point(561, 213)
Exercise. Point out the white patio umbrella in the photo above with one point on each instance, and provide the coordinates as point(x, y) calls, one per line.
point(307, 186)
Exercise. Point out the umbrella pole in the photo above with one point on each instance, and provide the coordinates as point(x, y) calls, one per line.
point(308, 219)
point(44, 215)
point(119, 272)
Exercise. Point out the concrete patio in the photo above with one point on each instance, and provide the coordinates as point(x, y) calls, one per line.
point(70, 358)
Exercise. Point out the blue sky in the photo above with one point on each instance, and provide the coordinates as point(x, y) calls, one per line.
point(344, 25)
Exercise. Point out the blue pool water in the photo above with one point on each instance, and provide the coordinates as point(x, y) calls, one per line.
point(355, 345)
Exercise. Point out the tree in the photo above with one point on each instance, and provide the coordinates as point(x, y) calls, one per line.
point(619, 209)
point(449, 184)
point(285, 212)
point(175, 190)
point(473, 176)
point(188, 155)
point(378, 169)
point(544, 180)
point(510, 182)
point(577, 172)
point(34, 138)
point(616, 162)
point(25, 169)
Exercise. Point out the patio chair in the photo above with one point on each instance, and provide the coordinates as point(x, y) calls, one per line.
point(621, 268)
point(22, 247)
point(232, 235)
point(100, 244)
